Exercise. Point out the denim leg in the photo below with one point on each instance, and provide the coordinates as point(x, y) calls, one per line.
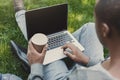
point(56, 70)
point(20, 19)
point(10, 77)
point(87, 37)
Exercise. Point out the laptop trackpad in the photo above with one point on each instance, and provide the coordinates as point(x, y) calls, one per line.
point(53, 55)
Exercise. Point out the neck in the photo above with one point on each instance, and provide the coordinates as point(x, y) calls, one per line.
point(114, 51)
point(113, 65)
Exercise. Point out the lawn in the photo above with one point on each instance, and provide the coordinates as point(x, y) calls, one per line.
point(79, 13)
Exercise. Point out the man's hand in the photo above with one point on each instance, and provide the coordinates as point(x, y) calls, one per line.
point(34, 56)
point(75, 53)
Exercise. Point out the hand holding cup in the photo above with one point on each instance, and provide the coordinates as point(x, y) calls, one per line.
point(39, 41)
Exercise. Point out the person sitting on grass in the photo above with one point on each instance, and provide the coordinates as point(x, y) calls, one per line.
point(107, 20)
point(86, 35)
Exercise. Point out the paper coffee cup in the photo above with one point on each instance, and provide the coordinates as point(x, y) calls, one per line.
point(39, 41)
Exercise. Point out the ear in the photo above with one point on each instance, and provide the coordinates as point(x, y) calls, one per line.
point(105, 30)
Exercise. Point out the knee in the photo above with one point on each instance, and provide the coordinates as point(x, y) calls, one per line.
point(20, 14)
point(88, 29)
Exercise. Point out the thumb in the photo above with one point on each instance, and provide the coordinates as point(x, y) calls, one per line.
point(68, 54)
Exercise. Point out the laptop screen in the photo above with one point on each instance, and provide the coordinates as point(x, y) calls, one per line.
point(46, 20)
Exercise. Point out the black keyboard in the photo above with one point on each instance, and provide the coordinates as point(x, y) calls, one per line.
point(59, 40)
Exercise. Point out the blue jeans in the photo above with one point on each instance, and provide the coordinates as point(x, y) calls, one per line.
point(86, 35)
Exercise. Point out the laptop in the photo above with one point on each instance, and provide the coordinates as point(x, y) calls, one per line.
point(51, 21)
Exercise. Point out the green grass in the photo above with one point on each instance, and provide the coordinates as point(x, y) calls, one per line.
point(80, 12)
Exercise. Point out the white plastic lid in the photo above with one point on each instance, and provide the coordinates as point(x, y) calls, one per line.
point(39, 39)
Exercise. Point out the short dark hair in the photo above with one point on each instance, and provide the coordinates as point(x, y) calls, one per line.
point(108, 11)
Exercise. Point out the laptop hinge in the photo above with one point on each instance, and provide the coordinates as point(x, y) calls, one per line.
point(57, 33)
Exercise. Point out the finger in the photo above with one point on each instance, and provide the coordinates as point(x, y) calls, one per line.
point(65, 46)
point(68, 54)
point(44, 49)
point(28, 50)
point(29, 58)
point(29, 45)
point(31, 48)
point(73, 57)
point(68, 45)
point(71, 46)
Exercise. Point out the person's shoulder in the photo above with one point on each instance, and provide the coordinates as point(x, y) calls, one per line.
point(100, 72)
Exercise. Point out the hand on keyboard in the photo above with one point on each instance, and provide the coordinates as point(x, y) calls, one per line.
point(76, 55)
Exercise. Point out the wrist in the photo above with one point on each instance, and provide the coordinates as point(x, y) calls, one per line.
point(37, 69)
point(84, 59)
